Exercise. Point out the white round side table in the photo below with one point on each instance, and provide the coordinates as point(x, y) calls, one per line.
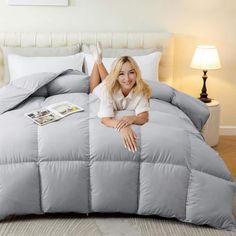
point(210, 130)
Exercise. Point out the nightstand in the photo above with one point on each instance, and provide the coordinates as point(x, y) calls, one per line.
point(210, 130)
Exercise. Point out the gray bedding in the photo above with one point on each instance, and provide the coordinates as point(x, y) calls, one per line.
point(78, 165)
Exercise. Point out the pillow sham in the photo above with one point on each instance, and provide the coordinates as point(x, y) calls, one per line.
point(148, 64)
point(20, 66)
point(36, 52)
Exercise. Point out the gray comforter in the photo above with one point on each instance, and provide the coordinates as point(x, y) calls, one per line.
point(78, 165)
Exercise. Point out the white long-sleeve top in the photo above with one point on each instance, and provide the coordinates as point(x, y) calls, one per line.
point(109, 104)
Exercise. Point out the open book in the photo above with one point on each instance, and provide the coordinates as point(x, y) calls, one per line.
point(53, 112)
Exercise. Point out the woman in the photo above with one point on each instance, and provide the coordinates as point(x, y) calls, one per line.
point(122, 89)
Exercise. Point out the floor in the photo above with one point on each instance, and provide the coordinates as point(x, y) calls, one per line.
point(227, 150)
point(103, 225)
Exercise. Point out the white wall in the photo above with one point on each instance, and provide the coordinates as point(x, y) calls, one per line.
point(192, 22)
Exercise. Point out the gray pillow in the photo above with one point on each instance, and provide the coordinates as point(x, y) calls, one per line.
point(36, 52)
point(118, 52)
point(75, 82)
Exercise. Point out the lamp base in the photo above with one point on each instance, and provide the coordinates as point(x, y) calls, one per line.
point(206, 100)
point(203, 95)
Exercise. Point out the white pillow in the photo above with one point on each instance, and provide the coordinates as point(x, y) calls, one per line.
point(21, 66)
point(36, 52)
point(148, 64)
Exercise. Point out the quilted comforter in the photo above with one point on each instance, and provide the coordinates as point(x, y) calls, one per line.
point(78, 165)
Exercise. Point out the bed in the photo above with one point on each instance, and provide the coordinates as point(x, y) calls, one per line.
point(78, 165)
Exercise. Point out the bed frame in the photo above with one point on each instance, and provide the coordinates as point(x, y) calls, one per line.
point(161, 40)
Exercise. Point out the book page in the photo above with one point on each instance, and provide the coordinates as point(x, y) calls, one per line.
point(64, 108)
point(43, 116)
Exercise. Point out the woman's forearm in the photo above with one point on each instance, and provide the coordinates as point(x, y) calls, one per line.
point(140, 120)
point(109, 122)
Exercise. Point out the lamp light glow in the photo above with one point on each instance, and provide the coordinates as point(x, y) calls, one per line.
point(206, 58)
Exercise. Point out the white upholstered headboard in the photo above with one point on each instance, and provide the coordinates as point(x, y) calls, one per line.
point(161, 40)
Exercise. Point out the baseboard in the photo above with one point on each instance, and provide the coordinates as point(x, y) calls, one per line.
point(228, 130)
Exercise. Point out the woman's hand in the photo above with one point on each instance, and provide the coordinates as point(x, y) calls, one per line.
point(124, 122)
point(129, 138)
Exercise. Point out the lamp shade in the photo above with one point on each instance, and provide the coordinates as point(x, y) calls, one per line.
point(206, 58)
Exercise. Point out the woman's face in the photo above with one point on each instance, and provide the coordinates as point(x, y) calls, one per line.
point(127, 77)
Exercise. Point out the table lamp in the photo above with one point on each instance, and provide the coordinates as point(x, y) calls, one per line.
point(206, 58)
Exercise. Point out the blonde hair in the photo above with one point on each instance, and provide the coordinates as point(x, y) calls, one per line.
point(112, 84)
